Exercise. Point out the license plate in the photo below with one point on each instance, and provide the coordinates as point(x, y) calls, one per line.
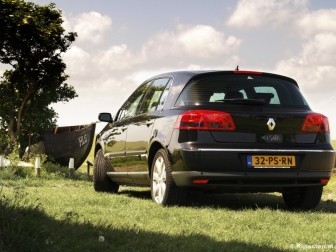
point(270, 161)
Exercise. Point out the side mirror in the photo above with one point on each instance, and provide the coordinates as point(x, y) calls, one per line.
point(105, 117)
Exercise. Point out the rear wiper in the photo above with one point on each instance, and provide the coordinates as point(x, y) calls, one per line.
point(243, 101)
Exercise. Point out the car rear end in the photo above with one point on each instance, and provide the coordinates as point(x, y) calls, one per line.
point(248, 132)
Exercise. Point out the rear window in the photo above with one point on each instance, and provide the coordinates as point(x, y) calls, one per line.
point(242, 89)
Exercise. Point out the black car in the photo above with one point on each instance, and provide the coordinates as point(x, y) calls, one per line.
point(218, 131)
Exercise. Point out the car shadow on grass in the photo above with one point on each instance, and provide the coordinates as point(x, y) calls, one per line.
point(233, 201)
point(31, 229)
point(135, 192)
point(252, 201)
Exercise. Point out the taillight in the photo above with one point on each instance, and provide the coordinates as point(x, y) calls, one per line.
point(200, 181)
point(205, 120)
point(324, 181)
point(315, 123)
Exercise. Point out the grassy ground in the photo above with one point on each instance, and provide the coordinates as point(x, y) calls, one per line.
point(55, 213)
point(60, 214)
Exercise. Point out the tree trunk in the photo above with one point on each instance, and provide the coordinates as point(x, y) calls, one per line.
point(20, 112)
point(12, 136)
point(11, 130)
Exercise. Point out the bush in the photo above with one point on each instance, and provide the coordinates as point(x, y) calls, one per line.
point(14, 172)
point(54, 169)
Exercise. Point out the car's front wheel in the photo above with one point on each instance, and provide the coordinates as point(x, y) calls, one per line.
point(163, 188)
point(302, 198)
point(101, 181)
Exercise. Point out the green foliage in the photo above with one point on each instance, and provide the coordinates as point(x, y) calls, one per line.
point(32, 42)
point(4, 139)
point(54, 170)
point(16, 172)
point(13, 157)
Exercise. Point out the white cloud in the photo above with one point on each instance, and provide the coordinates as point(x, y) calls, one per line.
point(194, 67)
point(117, 57)
point(91, 27)
point(77, 61)
point(259, 13)
point(169, 49)
point(205, 41)
point(321, 50)
point(142, 75)
point(315, 65)
point(160, 45)
point(200, 41)
point(317, 21)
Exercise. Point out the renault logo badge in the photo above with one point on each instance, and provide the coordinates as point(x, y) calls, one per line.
point(271, 124)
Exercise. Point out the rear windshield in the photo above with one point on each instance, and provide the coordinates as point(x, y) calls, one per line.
point(242, 89)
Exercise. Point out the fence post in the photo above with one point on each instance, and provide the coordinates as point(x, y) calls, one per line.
point(38, 166)
point(1, 162)
point(88, 167)
point(71, 167)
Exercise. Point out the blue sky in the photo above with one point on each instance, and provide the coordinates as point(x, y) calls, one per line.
point(121, 43)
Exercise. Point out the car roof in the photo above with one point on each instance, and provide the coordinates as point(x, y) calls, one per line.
point(186, 76)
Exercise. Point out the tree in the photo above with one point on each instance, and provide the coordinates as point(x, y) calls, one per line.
point(32, 42)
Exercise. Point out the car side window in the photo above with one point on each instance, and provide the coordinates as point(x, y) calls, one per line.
point(164, 95)
point(130, 107)
point(153, 98)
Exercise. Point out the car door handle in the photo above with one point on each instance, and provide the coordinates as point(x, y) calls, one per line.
point(123, 128)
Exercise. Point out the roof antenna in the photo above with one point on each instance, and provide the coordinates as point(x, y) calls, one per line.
point(237, 68)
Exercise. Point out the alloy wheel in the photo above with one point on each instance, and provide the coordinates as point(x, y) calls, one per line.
point(159, 180)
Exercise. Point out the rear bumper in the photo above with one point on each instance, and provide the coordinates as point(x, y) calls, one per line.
point(210, 159)
point(228, 169)
point(270, 180)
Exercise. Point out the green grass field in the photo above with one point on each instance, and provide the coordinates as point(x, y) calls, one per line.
point(55, 213)
point(60, 214)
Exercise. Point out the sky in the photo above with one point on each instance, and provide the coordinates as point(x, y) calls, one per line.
point(122, 43)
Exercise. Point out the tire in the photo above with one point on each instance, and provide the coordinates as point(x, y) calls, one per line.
point(101, 181)
point(306, 198)
point(163, 188)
